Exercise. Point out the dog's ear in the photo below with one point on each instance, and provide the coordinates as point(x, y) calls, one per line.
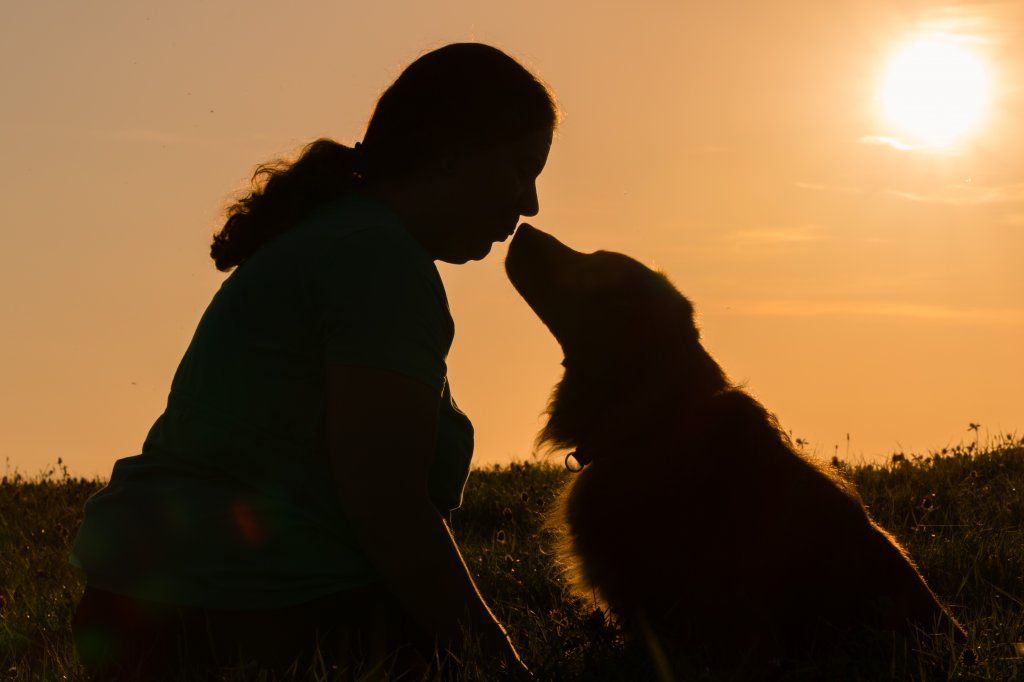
point(686, 315)
point(571, 408)
point(698, 365)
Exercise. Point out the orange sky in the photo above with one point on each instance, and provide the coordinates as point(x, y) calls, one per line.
point(856, 288)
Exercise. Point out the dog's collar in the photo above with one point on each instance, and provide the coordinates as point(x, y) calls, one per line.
point(581, 457)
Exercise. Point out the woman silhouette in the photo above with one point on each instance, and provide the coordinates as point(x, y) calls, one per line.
point(292, 494)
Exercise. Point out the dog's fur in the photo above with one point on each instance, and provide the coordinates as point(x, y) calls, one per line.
point(694, 514)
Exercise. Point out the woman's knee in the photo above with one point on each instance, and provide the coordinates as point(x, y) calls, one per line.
point(120, 638)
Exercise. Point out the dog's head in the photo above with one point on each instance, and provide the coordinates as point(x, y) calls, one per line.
point(628, 335)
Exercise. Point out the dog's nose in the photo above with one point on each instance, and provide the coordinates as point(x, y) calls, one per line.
point(520, 250)
point(538, 243)
point(525, 234)
point(523, 230)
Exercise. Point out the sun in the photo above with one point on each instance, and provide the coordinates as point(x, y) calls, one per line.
point(934, 91)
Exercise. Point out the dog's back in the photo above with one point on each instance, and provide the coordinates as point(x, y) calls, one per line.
point(717, 530)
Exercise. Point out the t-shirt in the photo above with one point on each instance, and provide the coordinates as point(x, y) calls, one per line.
point(231, 503)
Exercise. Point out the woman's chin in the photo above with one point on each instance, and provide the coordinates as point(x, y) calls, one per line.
point(482, 253)
point(475, 252)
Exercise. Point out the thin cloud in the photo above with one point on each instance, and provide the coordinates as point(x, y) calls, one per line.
point(782, 236)
point(904, 146)
point(821, 187)
point(709, 149)
point(978, 21)
point(967, 194)
point(899, 309)
point(886, 141)
point(954, 5)
point(145, 135)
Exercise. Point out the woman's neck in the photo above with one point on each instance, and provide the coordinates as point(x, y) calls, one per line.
point(414, 210)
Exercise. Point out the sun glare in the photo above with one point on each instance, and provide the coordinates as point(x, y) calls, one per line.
point(934, 92)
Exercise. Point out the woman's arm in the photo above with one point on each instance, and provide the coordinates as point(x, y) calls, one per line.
point(381, 431)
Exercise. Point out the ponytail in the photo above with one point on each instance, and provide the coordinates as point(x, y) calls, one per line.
point(282, 193)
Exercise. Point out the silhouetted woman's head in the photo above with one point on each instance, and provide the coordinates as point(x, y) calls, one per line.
point(454, 145)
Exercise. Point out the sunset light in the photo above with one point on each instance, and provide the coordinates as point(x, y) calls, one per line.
point(577, 341)
point(934, 91)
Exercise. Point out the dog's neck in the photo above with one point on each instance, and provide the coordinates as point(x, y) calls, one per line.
point(627, 420)
point(626, 427)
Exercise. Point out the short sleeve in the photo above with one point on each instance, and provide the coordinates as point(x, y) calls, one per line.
point(450, 471)
point(382, 305)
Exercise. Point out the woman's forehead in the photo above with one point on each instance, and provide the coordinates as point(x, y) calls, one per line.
point(533, 144)
point(529, 150)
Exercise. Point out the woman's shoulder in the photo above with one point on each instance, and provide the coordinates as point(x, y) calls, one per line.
point(349, 248)
point(356, 244)
point(356, 216)
point(363, 233)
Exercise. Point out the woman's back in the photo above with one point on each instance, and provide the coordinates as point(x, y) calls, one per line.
point(232, 503)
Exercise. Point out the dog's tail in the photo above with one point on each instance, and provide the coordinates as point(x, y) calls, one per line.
point(915, 606)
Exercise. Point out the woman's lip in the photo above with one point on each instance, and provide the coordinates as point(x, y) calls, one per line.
point(507, 234)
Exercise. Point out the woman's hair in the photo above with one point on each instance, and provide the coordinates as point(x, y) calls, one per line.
point(448, 101)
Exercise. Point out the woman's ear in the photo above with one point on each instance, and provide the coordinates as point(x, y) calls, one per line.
point(435, 179)
point(447, 165)
point(450, 164)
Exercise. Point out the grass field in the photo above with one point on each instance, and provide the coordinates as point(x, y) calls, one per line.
point(960, 513)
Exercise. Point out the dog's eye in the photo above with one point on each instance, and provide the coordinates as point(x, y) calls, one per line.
point(591, 279)
point(603, 276)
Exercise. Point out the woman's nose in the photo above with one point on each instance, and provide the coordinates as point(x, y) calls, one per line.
point(530, 204)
